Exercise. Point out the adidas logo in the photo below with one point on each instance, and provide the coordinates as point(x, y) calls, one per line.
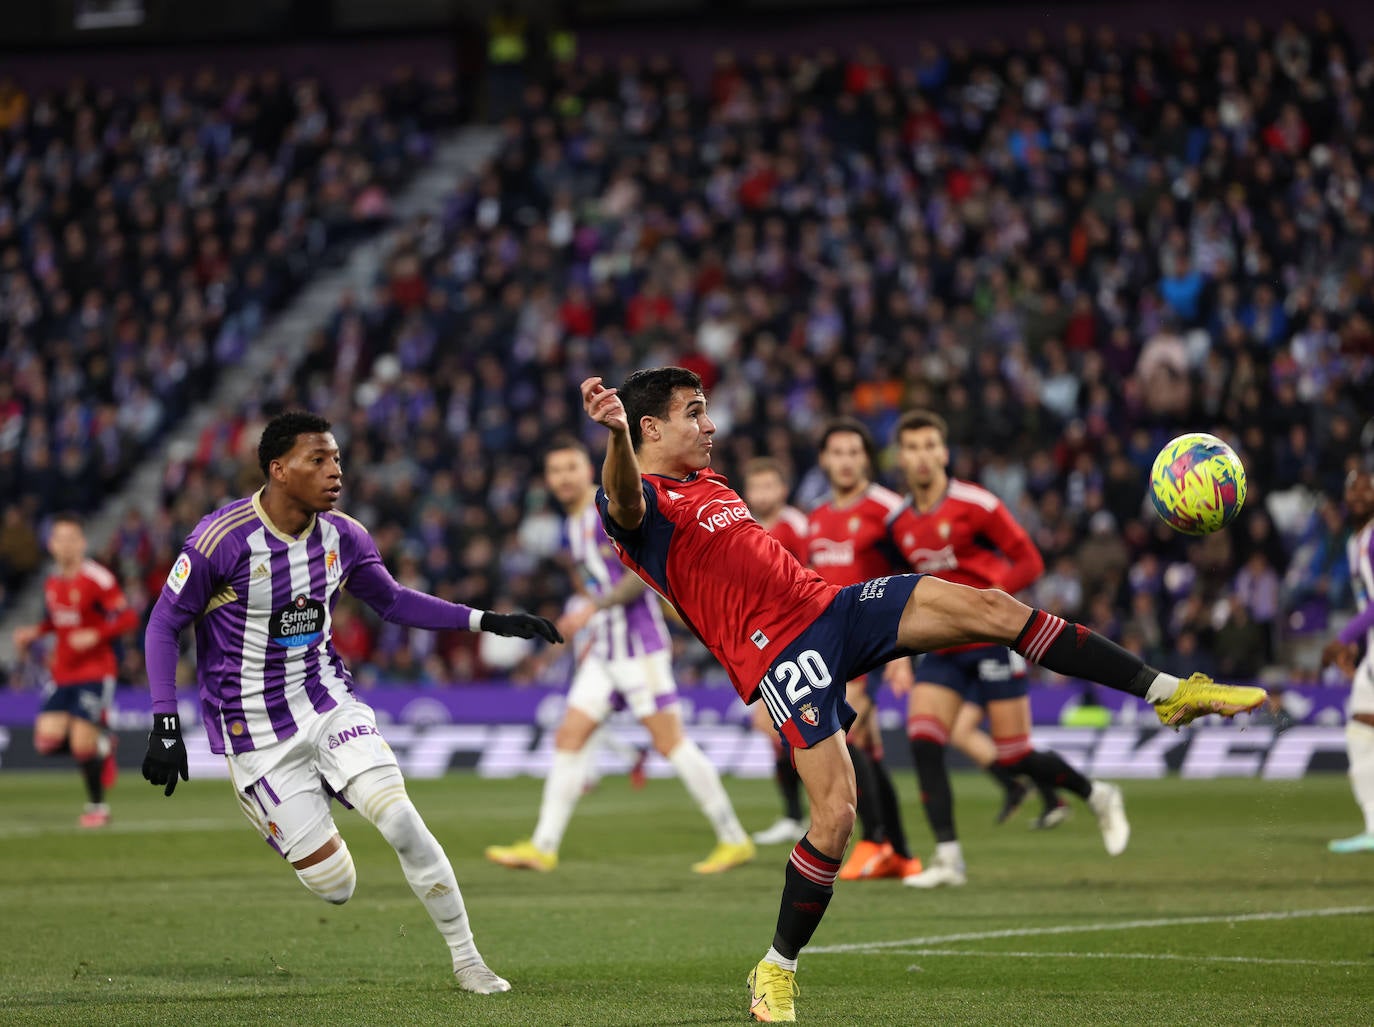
point(674, 495)
point(167, 743)
point(438, 891)
point(260, 571)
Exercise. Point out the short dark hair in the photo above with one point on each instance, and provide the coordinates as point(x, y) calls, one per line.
point(564, 441)
point(913, 420)
point(850, 425)
point(649, 393)
point(68, 517)
point(765, 465)
point(279, 437)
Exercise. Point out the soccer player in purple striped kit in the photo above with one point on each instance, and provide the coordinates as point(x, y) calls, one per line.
point(626, 656)
point(259, 579)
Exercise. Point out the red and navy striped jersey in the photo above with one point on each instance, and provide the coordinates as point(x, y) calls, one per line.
point(734, 585)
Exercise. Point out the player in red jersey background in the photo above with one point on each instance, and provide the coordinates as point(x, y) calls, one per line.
point(766, 487)
point(85, 611)
point(847, 542)
point(963, 533)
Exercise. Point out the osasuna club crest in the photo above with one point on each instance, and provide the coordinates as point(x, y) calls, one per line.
point(810, 715)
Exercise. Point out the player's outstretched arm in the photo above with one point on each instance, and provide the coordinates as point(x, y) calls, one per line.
point(622, 593)
point(166, 756)
point(374, 585)
point(620, 473)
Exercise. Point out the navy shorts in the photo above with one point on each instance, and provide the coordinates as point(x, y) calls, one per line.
point(88, 700)
point(982, 675)
point(804, 688)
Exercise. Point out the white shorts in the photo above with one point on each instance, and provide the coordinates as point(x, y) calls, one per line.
point(644, 682)
point(1362, 690)
point(284, 789)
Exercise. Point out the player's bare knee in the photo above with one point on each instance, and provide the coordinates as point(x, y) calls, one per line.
point(46, 745)
point(1000, 616)
point(832, 823)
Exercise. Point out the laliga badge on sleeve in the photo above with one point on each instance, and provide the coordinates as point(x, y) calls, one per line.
point(181, 571)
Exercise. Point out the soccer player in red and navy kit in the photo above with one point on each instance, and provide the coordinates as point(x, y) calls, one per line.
point(86, 611)
point(962, 532)
point(847, 542)
point(788, 637)
point(765, 491)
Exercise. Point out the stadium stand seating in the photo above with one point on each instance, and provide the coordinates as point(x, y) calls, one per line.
point(1072, 248)
point(145, 235)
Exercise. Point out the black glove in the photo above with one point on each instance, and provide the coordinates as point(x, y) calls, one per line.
point(166, 752)
point(520, 625)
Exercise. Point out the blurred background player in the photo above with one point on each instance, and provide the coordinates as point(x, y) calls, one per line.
point(846, 543)
point(766, 488)
point(86, 611)
point(963, 533)
point(629, 653)
point(260, 578)
point(636, 757)
point(1344, 652)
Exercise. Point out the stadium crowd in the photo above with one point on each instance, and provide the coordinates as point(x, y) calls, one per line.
point(145, 235)
point(1071, 248)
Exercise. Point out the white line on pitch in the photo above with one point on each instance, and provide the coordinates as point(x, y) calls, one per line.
point(1133, 955)
point(1121, 925)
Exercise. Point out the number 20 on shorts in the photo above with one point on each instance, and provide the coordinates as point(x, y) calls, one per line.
point(798, 677)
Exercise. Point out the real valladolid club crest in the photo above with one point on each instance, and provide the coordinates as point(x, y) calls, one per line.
point(810, 715)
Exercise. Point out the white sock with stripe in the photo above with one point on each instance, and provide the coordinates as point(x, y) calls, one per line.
point(562, 790)
point(380, 796)
point(333, 878)
point(702, 781)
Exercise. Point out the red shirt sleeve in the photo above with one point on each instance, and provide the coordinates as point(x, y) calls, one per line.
point(120, 617)
point(1014, 543)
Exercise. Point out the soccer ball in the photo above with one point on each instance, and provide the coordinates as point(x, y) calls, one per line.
point(1197, 484)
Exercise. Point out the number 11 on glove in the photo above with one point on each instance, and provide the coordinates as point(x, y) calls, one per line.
point(166, 757)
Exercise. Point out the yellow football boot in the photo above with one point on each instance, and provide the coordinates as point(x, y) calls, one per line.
point(726, 856)
point(1199, 695)
point(522, 856)
point(771, 990)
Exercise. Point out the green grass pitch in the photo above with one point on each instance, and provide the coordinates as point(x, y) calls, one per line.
point(1226, 909)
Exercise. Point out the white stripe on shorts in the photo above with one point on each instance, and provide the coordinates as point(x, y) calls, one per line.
point(777, 709)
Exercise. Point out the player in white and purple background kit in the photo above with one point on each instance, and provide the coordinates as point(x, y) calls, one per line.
point(1344, 651)
point(625, 657)
point(259, 578)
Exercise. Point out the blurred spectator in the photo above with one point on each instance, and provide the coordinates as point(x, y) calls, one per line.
point(1072, 250)
point(145, 237)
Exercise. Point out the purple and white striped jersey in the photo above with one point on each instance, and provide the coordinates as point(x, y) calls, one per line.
point(618, 632)
point(263, 603)
point(1361, 554)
